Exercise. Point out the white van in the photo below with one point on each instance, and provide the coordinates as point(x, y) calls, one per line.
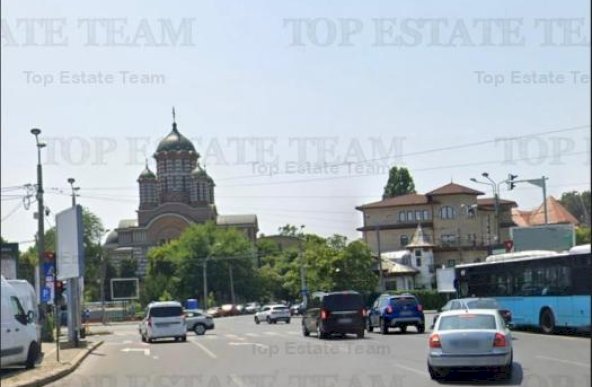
point(162, 320)
point(19, 339)
point(27, 296)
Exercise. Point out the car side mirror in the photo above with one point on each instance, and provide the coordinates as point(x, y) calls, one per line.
point(30, 317)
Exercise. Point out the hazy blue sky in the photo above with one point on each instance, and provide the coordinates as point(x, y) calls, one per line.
point(262, 86)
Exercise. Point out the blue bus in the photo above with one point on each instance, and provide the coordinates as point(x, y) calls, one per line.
point(542, 289)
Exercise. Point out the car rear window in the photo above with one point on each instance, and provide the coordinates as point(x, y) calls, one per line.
point(280, 308)
point(483, 304)
point(467, 321)
point(166, 311)
point(404, 301)
point(343, 302)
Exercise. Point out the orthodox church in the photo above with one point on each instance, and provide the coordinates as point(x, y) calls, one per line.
point(179, 194)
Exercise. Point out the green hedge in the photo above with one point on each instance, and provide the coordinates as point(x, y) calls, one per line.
point(429, 299)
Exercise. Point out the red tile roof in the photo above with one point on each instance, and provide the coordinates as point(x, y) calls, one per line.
point(454, 189)
point(403, 200)
point(556, 213)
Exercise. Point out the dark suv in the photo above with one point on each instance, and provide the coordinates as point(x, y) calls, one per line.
point(396, 311)
point(334, 313)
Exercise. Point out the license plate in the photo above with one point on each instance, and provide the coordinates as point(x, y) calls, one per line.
point(466, 343)
point(406, 313)
point(345, 320)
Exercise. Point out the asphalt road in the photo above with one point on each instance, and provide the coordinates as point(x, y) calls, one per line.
point(239, 353)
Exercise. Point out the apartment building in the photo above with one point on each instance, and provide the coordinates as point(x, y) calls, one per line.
point(461, 226)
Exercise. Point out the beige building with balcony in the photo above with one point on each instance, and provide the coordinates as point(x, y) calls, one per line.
point(461, 226)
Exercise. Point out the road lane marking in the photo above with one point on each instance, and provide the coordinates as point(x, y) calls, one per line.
point(235, 337)
point(145, 350)
point(235, 379)
point(564, 361)
point(249, 343)
point(203, 348)
point(252, 335)
point(410, 369)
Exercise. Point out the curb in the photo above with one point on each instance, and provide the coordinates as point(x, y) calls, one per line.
point(53, 376)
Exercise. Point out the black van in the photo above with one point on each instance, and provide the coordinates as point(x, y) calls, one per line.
point(334, 313)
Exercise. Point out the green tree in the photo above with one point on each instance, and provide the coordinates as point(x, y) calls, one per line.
point(177, 267)
point(399, 183)
point(578, 204)
point(291, 230)
point(583, 235)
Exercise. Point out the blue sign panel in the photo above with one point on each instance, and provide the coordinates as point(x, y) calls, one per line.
point(45, 295)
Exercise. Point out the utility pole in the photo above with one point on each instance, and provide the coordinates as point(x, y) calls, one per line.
point(74, 291)
point(303, 289)
point(205, 283)
point(380, 275)
point(40, 283)
point(232, 299)
point(542, 182)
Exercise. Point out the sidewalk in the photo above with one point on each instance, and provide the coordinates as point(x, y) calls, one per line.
point(49, 369)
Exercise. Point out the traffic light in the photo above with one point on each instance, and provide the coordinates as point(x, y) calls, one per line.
point(511, 181)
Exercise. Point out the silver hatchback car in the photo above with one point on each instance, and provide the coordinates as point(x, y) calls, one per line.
point(470, 339)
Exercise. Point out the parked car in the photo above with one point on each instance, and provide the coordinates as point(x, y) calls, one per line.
point(198, 321)
point(296, 309)
point(252, 307)
point(163, 320)
point(477, 338)
point(229, 310)
point(475, 303)
point(241, 309)
point(215, 311)
point(396, 311)
point(272, 314)
point(19, 341)
point(334, 313)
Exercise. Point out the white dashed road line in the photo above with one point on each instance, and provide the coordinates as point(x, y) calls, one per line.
point(564, 361)
point(203, 348)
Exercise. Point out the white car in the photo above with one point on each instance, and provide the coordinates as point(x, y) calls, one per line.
point(476, 338)
point(272, 314)
point(164, 320)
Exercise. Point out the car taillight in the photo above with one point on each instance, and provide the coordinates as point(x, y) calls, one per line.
point(389, 309)
point(324, 314)
point(499, 340)
point(363, 312)
point(150, 321)
point(419, 307)
point(435, 341)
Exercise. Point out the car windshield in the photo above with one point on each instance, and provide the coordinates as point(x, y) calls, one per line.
point(342, 302)
point(280, 308)
point(166, 311)
point(484, 303)
point(403, 301)
point(467, 321)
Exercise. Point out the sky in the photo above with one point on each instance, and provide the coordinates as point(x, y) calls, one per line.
point(298, 109)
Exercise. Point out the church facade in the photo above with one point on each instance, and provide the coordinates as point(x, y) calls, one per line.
point(178, 194)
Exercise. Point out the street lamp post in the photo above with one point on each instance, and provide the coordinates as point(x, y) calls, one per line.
point(74, 189)
point(103, 275)
point(496, 187)
point(40, 283)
